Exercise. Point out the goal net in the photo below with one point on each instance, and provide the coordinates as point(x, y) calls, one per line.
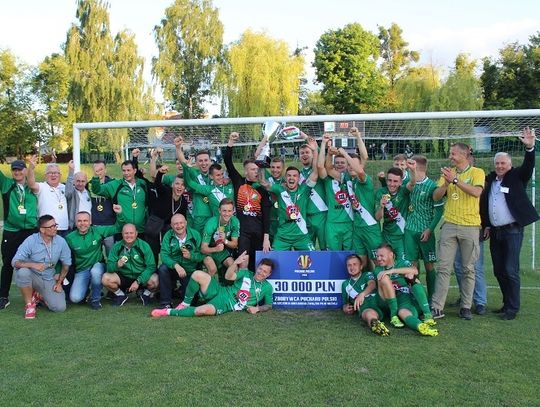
point(385, 135)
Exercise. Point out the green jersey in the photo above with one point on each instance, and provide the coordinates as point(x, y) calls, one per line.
point(20, 205)
point(351, 287)
point(398, 280)
point(317, 198)
point(131, 197)
point(171, 250)
point(424, 213)
point(86, 248)
point(201, 207)
point(214, 228)
point(337, 195)
point(362, 195)
point(140, 262)
point(213, 193)
point(395, 210)
point(248, 292)
point(292, 209)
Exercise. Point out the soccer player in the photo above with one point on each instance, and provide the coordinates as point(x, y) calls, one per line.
point(423, 216)
point(400, 161)
point(393, 202)
point(359, 294)
point(249, 291)
point(393, 277)
point(20, 221)
point(220, 236)
point(180, 256)
point(129, 267)
point(274, 176)
point(198, 174)
point(340, 216)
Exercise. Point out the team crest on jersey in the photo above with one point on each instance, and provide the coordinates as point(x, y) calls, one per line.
point(243, 295)
point(341, 197)
point(304, 261)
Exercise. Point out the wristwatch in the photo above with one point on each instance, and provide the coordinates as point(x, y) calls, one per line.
point(455, 181)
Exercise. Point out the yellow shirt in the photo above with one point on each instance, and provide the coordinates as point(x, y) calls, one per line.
point(461, 208)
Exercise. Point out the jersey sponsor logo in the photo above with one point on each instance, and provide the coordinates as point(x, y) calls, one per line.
point(304, 261)
point(341, 197)
point(243, 295)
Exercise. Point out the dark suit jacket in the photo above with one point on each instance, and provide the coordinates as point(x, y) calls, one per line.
point(517, 200)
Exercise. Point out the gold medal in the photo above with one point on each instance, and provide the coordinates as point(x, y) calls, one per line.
point(246, 208)
point(60, 206)
point(387, 196)
point(124, 259)
point(276, 205)
point(20, 207)
point(293, 216)
point(411, 208)
point(134, 205)
point(205, 199)
point(100, 208)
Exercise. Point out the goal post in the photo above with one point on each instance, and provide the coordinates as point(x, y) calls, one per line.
point(384, 134)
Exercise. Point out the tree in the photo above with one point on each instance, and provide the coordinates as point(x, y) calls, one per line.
point(261, 78)
point(18, 121)
point(416, 91)
point(394, 53)
point(105, 75)
point(189, 41)
point(313, 104)
point(346, 64)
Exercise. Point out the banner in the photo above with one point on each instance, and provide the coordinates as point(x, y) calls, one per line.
point(304, 279)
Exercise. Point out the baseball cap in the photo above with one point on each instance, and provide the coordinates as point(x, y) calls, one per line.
point(18, 165)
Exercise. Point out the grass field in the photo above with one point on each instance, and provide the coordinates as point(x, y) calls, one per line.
point(297, 358)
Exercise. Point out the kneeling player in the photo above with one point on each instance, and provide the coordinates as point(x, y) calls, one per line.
point(359, 293)
point(250, 291)
point(392, 276)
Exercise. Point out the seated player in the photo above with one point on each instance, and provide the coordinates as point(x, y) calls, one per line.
point(249, 291)
point(129, 267)
point(359, 294)
point(220, 237)
point(392, 278)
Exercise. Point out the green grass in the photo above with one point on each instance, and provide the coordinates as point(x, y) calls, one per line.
point(310, 358)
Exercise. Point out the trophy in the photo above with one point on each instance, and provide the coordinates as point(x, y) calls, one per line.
point(274, 130)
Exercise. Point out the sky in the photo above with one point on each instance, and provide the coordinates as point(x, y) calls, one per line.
point(33, 29)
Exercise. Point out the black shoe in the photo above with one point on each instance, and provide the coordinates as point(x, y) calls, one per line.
point(501, 310)
point(480, 309)
point(437, 313)
point(119, 300)
point(4, 302)
point(465, 313)
point(145, 299)
point(508, 316)
point(96, 305)
point(165, 306)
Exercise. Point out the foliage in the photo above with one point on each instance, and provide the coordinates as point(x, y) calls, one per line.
point(106, 74)
point(189, 40)
point(346, 64)
point(261, 78)
point(313, 104)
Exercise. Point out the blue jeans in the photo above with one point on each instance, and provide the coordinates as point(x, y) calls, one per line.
point(480, 288)
point(81, 281)
point(505, 246)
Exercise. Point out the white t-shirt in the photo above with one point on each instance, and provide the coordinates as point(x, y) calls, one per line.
point(85, 204)
point(52, 201)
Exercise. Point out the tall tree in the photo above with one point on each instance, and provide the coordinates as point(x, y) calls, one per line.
point(261, 77)
point(346, 64)
point(396, 57)
point(417, 90)
point(189, 41)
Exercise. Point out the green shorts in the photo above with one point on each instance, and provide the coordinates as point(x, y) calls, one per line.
point(339, 236)
point(298, 242)
point(219, 297)
point(376, 304)
point(416, 250)
point(220, 257)
point(316, 224)
point(366, 240)
point(397, 244)
point(406, 301)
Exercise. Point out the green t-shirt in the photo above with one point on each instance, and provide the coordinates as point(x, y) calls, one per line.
point(140, 264)
point(214, 194)
point(424, 213)
point(171, 250)
point(292, 209)
point(247, 292)
point(365, 194)
point(398, 280)
point(400, 206)
point(317, 202)
point(213, 227)
point(21, 212)
point(350, 288)
point(337, 196)
point(201, 207)
point(87, 248)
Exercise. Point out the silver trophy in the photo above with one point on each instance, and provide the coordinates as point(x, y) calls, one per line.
point(273, 131)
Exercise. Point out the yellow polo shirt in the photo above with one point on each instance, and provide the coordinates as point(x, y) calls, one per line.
point(461, 208)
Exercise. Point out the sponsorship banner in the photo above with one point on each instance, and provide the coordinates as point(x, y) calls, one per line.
point(304, 279)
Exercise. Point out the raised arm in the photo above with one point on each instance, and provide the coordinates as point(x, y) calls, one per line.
point(178, 144)
point(230, 274)
point(31, 175)
point(322, 157)
point(360, 145)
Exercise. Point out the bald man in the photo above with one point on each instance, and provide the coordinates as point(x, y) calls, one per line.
point(78, 197)
point(129, 267)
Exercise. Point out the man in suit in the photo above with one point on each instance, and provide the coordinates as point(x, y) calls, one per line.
point(506, 209)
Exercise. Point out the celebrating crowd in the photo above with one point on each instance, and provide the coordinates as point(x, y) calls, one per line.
point(190, 238)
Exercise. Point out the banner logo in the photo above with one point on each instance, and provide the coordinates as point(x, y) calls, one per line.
point(304, 261)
